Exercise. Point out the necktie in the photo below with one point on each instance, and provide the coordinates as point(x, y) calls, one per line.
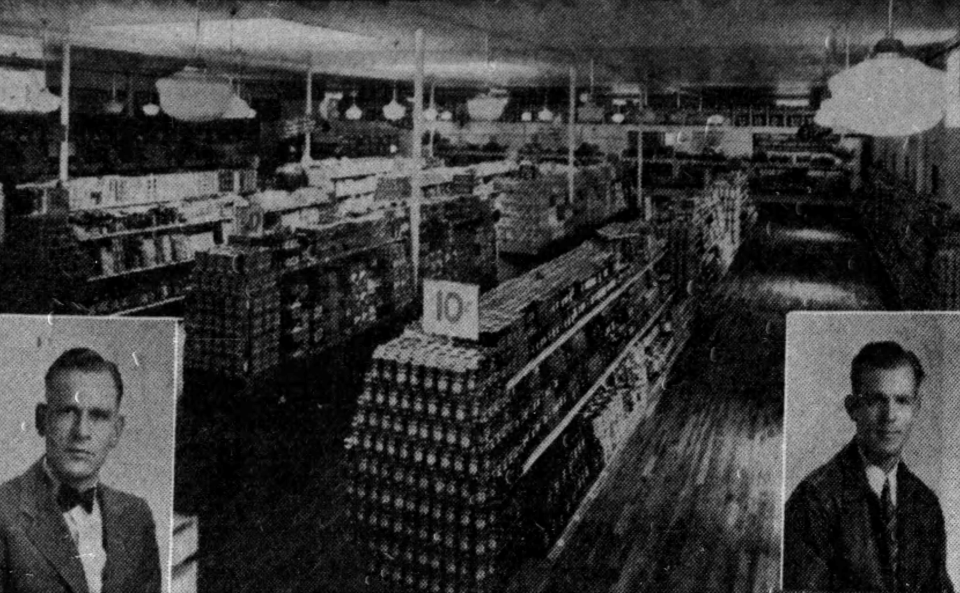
point(889, 516)
point(69, 497)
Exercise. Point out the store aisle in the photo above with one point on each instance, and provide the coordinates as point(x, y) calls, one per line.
point(694, 502)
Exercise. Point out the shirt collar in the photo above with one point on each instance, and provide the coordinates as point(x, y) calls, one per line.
point(876, 477)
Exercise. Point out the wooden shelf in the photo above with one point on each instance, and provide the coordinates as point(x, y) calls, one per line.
point(156, 229)
point(653, 391)
point(558, 430)
point(139, 270)
point(148, 306)
point(562, 339)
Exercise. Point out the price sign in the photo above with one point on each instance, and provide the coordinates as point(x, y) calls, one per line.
point(249, 220)
point(451, 309)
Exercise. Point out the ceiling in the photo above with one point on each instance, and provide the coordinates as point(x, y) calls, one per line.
point(667, 44)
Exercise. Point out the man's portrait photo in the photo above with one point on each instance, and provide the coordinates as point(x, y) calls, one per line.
point(86, 475)
point(871, 452)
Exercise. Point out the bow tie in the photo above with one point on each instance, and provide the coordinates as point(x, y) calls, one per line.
point(69, 497)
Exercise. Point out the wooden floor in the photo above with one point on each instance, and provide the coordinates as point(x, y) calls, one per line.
point(692, 505)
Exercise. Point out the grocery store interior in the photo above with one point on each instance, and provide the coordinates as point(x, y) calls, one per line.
point(484, 295)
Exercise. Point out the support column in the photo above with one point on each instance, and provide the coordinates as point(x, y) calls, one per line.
point(416, 191)
point(308, 111)
point(65, 114)
point(571, 134)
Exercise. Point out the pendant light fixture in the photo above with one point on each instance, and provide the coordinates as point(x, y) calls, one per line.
point(488, 106)
point(618, 117)
point(113, 107)
point(590, 112)
point(545, 115)
point(193, 94)
point(354, 113)
point(394, 111)
point(446, 115)
point(237, 108)
point(887, 95)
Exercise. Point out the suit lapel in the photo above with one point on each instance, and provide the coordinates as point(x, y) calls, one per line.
point(117, 541)
point(908, 551)
point(48, 531)
point(860, 517)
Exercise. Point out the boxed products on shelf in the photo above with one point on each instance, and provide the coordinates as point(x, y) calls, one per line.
point(537, 211)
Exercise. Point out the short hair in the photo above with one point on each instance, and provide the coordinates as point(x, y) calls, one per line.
point(87, 361)
point(884, 355)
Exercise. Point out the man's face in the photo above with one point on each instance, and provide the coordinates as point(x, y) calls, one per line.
point(81, 423)
point(884, 411)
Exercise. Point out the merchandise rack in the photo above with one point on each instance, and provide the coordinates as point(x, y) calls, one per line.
point(521, 427)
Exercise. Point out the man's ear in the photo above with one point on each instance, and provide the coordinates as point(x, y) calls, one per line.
point(40, 419)
point(117, 430)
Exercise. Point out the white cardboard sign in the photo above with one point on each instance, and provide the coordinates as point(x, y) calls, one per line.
point(451, 309)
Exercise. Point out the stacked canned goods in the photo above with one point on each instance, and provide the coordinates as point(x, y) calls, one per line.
point(233, 312)
point(427, 438)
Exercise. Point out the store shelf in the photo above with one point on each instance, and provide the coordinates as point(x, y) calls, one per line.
point(562, 339)
point(148, 306)
point(87, 238)
point(139, 270)
point(558, 430)
point(654, 393)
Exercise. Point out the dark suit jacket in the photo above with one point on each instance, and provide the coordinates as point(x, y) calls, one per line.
point(830, 533)
point(37, 554)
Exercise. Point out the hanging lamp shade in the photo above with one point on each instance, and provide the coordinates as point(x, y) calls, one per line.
point(394, 111)
point(194, 95)
point(238, 109)
point(887, 95)
point(151, 109)
point(24, 91)
point(113, 107)
point(446, 115)
point(545, 114)
point(431, 113)
point(526, 116)
point(488, 106)
point(354, 112)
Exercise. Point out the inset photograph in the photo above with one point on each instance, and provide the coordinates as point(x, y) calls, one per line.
point(87, 421)
point(872, 452)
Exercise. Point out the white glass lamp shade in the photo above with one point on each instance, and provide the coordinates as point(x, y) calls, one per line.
point(151, 109)
point(526, 116)
point(393, 110)
point(239, 109)
point(487, 106)
point(195, 96)
point(545, 114)
point(889, 95)
point(618, 117)
point(446, 115)
point(24, 91)
point(113, 107)
point(354, 113)
point(430, 114)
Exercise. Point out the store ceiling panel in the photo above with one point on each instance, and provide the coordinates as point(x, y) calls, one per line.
point(671, 43)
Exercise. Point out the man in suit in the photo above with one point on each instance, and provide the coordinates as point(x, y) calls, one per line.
point(863, 521)
point(61, 530)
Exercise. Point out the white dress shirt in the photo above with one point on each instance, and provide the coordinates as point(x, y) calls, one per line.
point(86, 529)
point(877, 477)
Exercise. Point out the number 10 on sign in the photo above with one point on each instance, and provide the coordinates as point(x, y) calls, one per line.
point(451, 309)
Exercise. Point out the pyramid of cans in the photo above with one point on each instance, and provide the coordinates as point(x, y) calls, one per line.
point(439, 438)
point(233, 312)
